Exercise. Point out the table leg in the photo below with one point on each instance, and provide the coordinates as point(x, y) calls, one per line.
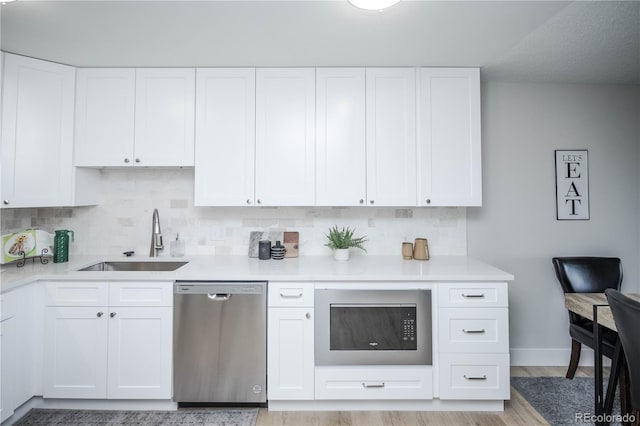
point(597, 364)
point(616, 365)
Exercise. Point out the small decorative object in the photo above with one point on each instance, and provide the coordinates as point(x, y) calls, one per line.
point(61, 245)
point(30, 243)
point(278, 251)
point(264, 250)
point(291, 241)
point(572, 185)
point(342, 240)
point(177, 247)
point(421, 249)
point(407, 251)
point(256, 236)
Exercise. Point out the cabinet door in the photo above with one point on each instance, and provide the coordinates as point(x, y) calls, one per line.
point(290, 360)
point(225, 137)
point(37, 133)
point(285, 133)
point(8, 370)
point(105, 100)
point(391, 137)
point(75, 363)
point(140, 358)
point(340, 137)
point(164, 120)
point(450, 151)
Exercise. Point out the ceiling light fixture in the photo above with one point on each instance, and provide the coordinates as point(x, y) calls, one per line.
point(373, 4)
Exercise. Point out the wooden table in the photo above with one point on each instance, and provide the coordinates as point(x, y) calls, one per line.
point(595, 307)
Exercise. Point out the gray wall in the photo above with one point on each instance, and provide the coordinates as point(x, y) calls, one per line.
point(516, 228)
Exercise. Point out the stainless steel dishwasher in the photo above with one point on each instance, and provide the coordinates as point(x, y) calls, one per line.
point(220, 332)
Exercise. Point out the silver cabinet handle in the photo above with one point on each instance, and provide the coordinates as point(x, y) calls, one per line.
point(428, 201)
point(5, 202)
point(373, 385)
point(308, 315)
point(223, 297)
point(291, 295)
point(126, 160)
point(259, 201)
point(100, 314)
point(248, 201)
point(472, 295)
point(371, 201)
point(137, 160)
point(112, 314)
point(483, 377)
point(361, 201)
point(473, 331)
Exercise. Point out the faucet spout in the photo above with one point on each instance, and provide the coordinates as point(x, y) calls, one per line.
point(156, 235)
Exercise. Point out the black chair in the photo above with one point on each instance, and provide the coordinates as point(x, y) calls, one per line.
point(626, 314)
point(587, 275)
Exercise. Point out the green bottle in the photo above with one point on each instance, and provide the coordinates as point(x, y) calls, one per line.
point(61, 245)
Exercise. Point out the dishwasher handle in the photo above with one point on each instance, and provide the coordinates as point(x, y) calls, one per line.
point(222, 297)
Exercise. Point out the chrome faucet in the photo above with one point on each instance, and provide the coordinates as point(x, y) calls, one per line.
point(156, 235)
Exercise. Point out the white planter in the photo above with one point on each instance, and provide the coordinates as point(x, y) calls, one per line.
point(341, 254)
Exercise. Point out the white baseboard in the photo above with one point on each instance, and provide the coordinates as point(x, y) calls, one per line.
point(534, 357)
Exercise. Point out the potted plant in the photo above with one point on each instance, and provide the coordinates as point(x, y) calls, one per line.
point(341, 240)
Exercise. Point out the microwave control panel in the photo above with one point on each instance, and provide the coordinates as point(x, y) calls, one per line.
point(409, 328)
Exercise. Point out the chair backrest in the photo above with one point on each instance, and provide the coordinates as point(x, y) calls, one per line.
point(588, 274)
point(626, 314)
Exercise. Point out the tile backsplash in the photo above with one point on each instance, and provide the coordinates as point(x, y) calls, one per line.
point(122, 221)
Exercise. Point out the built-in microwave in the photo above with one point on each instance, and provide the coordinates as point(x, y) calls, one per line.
point(373, 327)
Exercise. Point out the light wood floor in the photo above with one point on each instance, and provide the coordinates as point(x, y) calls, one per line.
point(517, 411)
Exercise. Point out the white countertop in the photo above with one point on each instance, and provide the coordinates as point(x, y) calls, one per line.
point(242, 268)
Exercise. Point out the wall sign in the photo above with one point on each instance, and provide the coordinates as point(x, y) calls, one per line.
point(572, 185)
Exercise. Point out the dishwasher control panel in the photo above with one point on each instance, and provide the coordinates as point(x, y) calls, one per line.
point(212, 287)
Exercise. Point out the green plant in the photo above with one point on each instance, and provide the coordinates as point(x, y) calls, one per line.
point(344, 239)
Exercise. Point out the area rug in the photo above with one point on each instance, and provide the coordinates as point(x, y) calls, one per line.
point(562, 401)
point(182, 417)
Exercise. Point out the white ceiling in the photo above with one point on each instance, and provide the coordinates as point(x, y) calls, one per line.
point(581, 42)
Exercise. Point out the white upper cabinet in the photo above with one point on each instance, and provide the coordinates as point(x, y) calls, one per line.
point(285, 134)
point(165, 105)
point(37, 137)
point(340, 137)
point(225, 137)
point(391, 137)
point(450, 140)
point(105, 101)
point(135, 117)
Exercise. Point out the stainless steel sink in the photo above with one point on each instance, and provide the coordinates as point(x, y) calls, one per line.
point(140, 266)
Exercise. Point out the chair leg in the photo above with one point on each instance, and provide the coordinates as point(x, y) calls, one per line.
point(625, 390)
point(576, 347)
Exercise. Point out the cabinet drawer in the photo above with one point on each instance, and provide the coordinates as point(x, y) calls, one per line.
point(474, 330)
point(76, 293)
point(352, 382)
point(294, 294)
point(474, 376)
point(141, 293)
point(473, 294)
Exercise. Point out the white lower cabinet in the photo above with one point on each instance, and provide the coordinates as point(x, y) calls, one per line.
point(107, 350)
point(374, 382)
point(474, 376)
point(473, 341)
point(290, 341)
point(21, 330)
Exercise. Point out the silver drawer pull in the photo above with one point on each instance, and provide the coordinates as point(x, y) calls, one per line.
point(473, 331)
point(373, 385)
point(473, 295)
point(483, 377)
point(221, 297)
point(291, 295)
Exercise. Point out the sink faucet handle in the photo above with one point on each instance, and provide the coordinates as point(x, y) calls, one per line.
point(128, 253)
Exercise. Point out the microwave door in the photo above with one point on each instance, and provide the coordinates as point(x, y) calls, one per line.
point(359, 327)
